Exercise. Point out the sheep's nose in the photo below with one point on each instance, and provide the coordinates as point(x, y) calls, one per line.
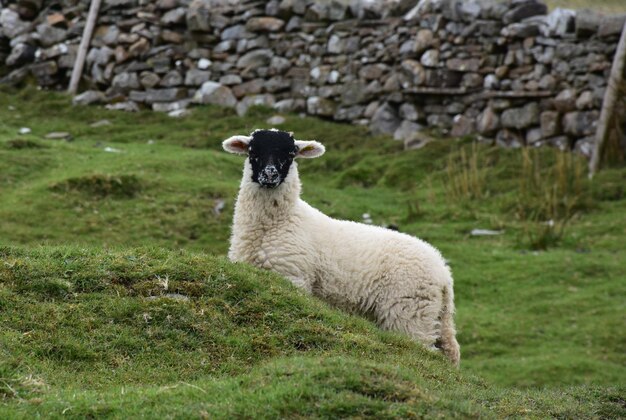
point(271, 173)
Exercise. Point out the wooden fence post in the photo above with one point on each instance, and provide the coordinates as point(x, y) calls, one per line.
point(608, 105)
point(84, 46)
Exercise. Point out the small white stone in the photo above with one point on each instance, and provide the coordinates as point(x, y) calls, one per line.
point(24, 130)
point(204, 63)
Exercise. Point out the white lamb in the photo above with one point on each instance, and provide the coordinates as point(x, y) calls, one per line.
point(399, 281)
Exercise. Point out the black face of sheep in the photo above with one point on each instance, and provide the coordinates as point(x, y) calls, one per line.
point(271, 154)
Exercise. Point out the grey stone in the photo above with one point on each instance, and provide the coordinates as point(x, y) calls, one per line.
point(349, 113)
point(523, 117)
point(10, 23)
point(44, 72)
point(585, 146)
point(151, 96)
point(430, 58)
point(124, 82)
point(89, 97)
point(320, 106)
point(415, 70)
point(417, 141)
point(611, 26)
point(407, 131)
point(255, 59)
point(550, 123)
point(585, 100)
point(460, 64)
point(336, 44)
point(265, 100)
point(523, 10)
point(566, 100)
point(509, 138)
point(385, 120)
point(264, 24)
point(580, 124)
point(199, 16)
point(462, 126)
point(275, 120)
point(216, 94)
point(172, 78)
point(59, 135)
point(230, 79)
point(128, 106)
point(50, 35)
point(174, 16)
point(409, 112)
point(533, 135)
point(171, 106)
point(149, 79)
point(196, 77)
point(21, 54)
point(236, 32)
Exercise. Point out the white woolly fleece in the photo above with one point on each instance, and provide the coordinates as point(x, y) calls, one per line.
point(399, 281)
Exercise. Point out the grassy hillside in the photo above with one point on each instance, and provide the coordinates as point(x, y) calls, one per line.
point(112, 302)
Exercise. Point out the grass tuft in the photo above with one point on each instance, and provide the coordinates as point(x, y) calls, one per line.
point(101, 186)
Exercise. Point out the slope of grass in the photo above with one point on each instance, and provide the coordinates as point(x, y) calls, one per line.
point(91, 329)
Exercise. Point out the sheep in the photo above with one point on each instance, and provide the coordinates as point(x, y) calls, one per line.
point(397, 280)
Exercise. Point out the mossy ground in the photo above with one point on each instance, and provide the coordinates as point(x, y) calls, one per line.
point(114, 299)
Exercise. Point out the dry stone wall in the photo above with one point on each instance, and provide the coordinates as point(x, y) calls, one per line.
point(503, 70)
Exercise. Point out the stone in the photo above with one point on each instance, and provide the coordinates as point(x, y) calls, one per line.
point(520, 118)
point(170, 106)
point(11, 25)
point(562, 143)
point(418, 140)
point(230, 79)
point(424, 39)
point(50, 35)
point(172, 78)
point(250, 87)
point(585, 100)
point(216, 94)
point(462, 126)
point(100, 56)
point(409, 112)
point(430, 58)
point(89, 97)
point(249, 101)
point(350, 113)
point(21, 54)
point(174, 16)
point(336, 44)
point(585, 146)
point(264, 24)
point(459, 64)
point(559, 22)
point(139, 48)
point(149, 79)
point(611, 26)
point(415, 70)
point(151, 96)
point(124, 82)
point(59, 135)
point(533, 135)
point(385, 120)
point(407, 131)
point(587, 23)
point(320, 106)
point(172, 37)
point(255, 59)
point(44, 72)
point(196, 77)
point(235, 33)
point(199, 16)
point(353, 93)
point(523, 10)
point(128, 106)
point(275, 120)
point(372, 71)
point(509, 138)
point(550, 122)
point(566, 100)
point(580, 124)
point(288, 105)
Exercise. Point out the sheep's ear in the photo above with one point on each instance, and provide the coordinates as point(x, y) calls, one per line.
point(237, 145)
point(309, 149)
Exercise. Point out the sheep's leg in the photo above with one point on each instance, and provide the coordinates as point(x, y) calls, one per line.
point(447, 341)
point(425, 318)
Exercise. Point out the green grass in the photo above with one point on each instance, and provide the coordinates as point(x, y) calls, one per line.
point(114, 299)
